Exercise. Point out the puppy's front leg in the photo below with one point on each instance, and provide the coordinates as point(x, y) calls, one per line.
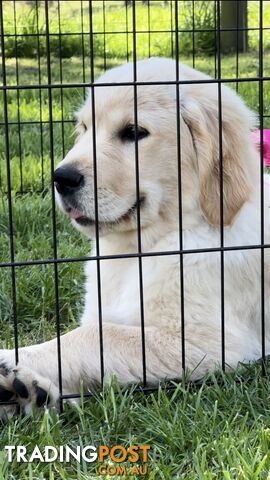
point(35, 379)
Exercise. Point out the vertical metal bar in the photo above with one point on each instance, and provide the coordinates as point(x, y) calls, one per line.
point(57, 313)
point(222, 305)
point(193, 35)
point(237, 45)
point(262, 182)
point(104, 36)
point(127, 26)
point(18, 98)
point(9, 189)
point(149, 29)
point(61, 81)
point(96, 192)
point(180, 203)
point(137, 170)
point(172, 29)
point(83, 50)
point(40, 101)
point(215, 57)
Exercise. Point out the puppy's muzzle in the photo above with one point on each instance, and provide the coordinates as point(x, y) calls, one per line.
point(68, 180)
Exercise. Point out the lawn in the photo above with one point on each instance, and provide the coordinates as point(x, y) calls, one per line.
point(208, 432)
point(212, 432)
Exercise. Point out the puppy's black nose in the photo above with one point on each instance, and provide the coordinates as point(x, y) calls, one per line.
point(67, 180)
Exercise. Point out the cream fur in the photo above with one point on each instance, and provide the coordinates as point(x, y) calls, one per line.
point(158, 164)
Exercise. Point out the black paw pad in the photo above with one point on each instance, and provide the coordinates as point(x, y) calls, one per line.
point(4, 370)
point(5, 395)
point(42, 396)
point(20, 388)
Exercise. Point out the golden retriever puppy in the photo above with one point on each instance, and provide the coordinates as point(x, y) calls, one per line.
point(182, 133)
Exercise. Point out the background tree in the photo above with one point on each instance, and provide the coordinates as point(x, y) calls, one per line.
point(234, 16)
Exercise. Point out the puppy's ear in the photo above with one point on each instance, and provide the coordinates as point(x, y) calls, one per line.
point(238, 153)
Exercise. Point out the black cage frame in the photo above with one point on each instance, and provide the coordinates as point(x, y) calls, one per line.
point(130, 34)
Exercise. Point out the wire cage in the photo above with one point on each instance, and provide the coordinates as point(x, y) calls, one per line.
point(52, 52)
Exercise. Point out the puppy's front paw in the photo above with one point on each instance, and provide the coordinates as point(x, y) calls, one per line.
point(25, 388)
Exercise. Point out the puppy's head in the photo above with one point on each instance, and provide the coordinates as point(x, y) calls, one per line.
point(125, 160)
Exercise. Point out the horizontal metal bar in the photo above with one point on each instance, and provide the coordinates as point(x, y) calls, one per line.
point(37, 122)
point(171, 386)
point(130, 32)
point(134, 255)
point(47, 122)
point(128, 84)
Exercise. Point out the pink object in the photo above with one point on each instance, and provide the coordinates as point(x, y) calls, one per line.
point(256, 136)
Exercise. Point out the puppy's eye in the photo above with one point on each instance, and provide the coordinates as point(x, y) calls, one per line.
point(129, 134)
point(83, 126)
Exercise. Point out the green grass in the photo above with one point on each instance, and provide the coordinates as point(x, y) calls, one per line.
point(212, 432)
point(33, 241)
point(72, 17)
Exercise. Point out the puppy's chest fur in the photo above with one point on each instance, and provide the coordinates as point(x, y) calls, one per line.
point(125, 291)
point(161, 294)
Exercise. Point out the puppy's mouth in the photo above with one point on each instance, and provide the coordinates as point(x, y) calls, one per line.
point(82, 219)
